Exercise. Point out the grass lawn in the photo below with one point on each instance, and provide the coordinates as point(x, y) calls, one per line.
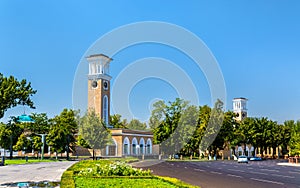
point(23, 161)
point(121, 182)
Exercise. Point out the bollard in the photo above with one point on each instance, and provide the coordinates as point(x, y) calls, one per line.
point(26, 158)
point(191, 157)
point(228, 158)
point(159, 157)
point(181, 157)
point(143, 157)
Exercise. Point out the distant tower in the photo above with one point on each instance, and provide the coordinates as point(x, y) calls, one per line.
point(240, 108)
point(99, 85)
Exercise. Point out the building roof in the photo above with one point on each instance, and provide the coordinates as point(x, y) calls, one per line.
point(99, 55)
point(242, 98)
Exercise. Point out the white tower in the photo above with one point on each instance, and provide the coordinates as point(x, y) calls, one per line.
point(240, 108)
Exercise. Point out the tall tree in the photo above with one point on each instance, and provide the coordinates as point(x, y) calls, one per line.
point(166, 118)
point(14, 92)
point(62, 132)
point(93, 130)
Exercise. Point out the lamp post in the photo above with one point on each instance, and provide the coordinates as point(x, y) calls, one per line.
point(43, 146)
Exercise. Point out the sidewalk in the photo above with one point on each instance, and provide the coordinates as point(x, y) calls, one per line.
point(35, 172)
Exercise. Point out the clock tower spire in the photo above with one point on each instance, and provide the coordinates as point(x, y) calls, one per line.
point(99, 85)
point(240, 108)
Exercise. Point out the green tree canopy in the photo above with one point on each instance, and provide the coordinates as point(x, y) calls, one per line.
point(14, 92)
point(93, 130)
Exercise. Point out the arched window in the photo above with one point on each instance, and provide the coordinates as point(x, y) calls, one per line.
point(105, 109)
point(126, 146)
point(142, 145)
point(134, 146)
point(149, 146)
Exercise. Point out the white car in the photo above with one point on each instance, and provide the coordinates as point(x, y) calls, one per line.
point(243, 159)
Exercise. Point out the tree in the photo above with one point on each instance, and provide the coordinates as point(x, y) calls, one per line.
point(62, 132)
point(295, 139)
point(14, 92)
point(93, 130)
point(213, 127)
point(116, 122)
point(9, 134)
point(135, 124)
point(164, 121)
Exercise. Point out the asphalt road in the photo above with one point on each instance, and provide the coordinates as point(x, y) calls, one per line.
point(34, 172)
point(231, 174)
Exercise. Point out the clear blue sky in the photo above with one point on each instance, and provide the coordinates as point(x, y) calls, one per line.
point(256, 44)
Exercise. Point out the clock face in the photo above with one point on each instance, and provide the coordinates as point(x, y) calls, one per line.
point(94, 84)
point(105, 85)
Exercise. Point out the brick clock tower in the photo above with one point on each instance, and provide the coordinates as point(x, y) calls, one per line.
point(99, 85)
point(240, 108)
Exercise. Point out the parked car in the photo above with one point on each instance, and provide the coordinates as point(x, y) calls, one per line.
point(255, 159)
point(243, 159)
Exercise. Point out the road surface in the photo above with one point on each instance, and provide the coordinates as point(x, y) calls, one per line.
point(231, 174)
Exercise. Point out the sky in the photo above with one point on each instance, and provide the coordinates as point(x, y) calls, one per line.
point(256, 44)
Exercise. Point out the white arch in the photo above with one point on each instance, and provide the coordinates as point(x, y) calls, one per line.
point(149, 146)
point(105, 109)
point(115, 144)
point(142, 146)
point(134, 146)
point(126, 146)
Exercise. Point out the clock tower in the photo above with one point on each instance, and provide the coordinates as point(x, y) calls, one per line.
point(99, 85)
point(240, 108)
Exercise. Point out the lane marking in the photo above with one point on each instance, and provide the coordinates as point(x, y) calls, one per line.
point(294, 172)
point(278, 175)
point(259, 173)
point(197, 169)
point(236, 170)
point(267, 181)
point(232, 175)
point(185, 167)
point(270, 170)
point(213, 172)
point(250, 168)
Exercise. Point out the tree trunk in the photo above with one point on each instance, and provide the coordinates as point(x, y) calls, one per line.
point(93, 154)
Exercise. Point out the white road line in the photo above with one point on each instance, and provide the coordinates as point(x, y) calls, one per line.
point(235, 166)
point(232, 175)
point(269, 170)
point(213, 172)
point(278, 175)
point(250, 168)
point(267, 181)
point(185, 167)
point(172, 164)
point(261, 173)
point(236, 170)
point(197, 169)
point(294, 172)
